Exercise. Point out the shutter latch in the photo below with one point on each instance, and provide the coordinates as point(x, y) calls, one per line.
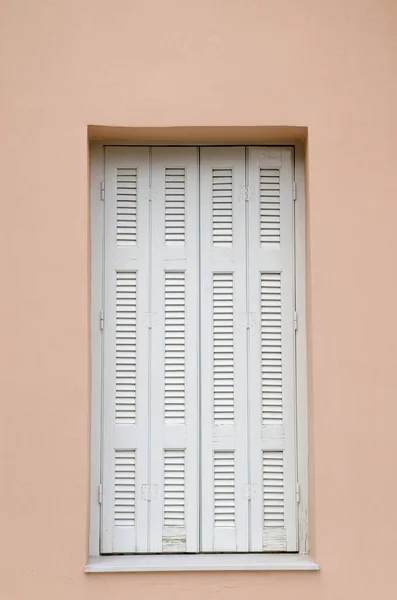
point(295, 320)
point(149, 492)
point(100, 493)
point(298, 492)
point(150, 319)
point(249, 490)
point(294, 190)
point(102, 190)
point(246, 193)
point(101, 319)
point(247, 320)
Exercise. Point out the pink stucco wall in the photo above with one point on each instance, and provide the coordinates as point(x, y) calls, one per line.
point(328, 65)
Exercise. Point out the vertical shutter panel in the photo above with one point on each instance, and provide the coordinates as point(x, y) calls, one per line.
point(271, 351)
point(174, 351)
point(224, 514)
point(125, 377)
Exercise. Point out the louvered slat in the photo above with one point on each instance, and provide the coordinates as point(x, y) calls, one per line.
point(273, 489)
point(270, 206)
point(174, 488)
point(223, 340)
point(174, 206)
point(126, 207)
point(174, 378)
point(125, 347)
point(222, 207)
point(224, 488)
point(271, 349)
point(124, 488)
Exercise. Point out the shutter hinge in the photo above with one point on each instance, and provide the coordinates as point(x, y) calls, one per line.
point(149, 492)
point(295, 320)
point(294, 190)
point(100, 493)
point(150, 319)
point(247, 320)
point(298, 492)
point(249, 490)
point(101, 319)
point(246, 193)
point(102, 190)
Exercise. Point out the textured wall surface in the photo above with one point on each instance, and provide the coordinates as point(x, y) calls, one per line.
point(330, 66)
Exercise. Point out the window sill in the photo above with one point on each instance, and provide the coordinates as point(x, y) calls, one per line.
point(201, 562)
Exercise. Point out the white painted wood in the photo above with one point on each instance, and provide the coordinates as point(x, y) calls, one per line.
point(224, 475)
point(97, 206)
point(271, 350)
point(301, 348)
point(201, 562)
point(174, 412)
point(97, 234)
point(125, 374)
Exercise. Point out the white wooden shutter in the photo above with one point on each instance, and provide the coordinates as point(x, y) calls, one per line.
point(271, 350)
point(224, 475)
point(174, 351)
point(125, 374)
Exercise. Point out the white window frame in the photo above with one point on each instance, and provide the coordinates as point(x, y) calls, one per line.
point(176, 562)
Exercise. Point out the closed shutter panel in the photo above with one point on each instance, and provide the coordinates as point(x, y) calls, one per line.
point(174, 351)
point(271, 351)
point(125, 415)
point(224, 510)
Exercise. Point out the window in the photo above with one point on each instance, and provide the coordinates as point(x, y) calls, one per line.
point(196, 364)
